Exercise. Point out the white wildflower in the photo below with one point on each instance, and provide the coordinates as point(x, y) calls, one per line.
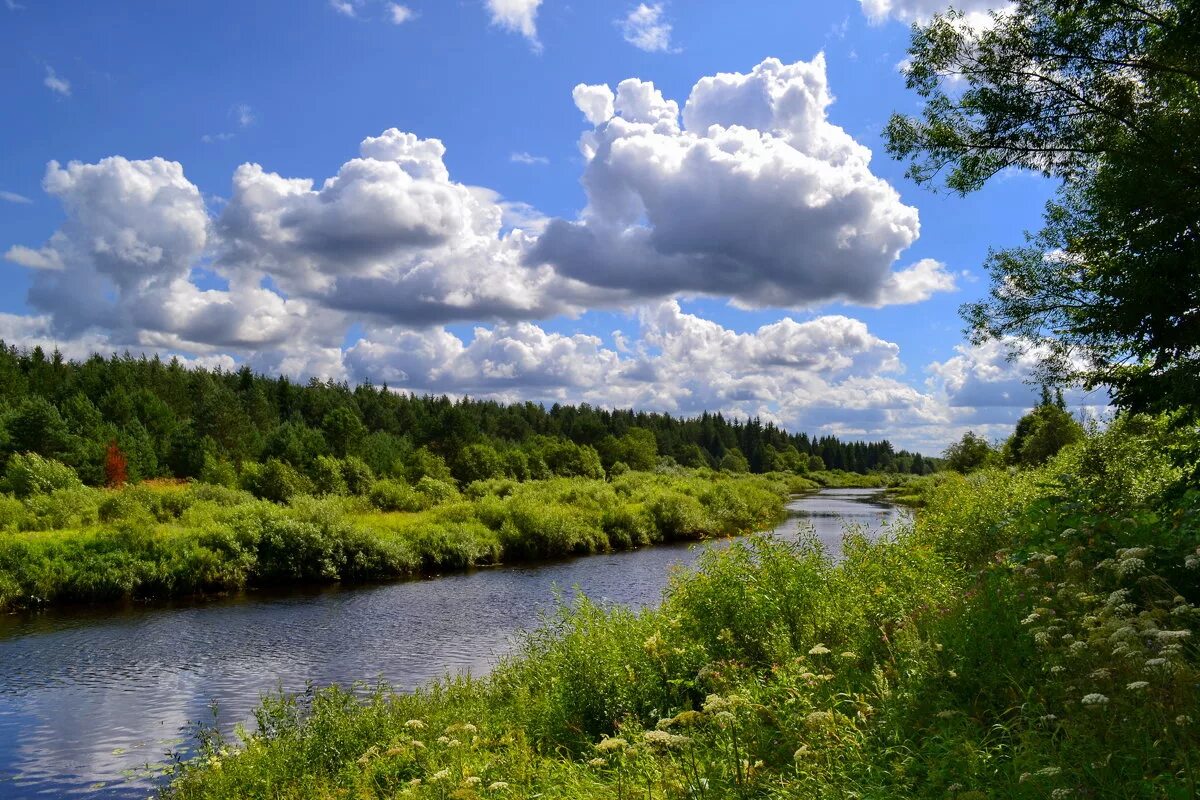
point(1094, 699)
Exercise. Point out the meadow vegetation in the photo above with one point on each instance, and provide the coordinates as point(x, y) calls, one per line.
point(1029, 636)
point(61, 541)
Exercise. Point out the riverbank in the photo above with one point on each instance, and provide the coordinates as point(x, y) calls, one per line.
point(1029, 636)
point(89, 545)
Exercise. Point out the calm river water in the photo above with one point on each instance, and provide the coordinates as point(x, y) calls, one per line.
point(89, 698)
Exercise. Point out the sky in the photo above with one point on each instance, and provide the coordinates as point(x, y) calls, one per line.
point(675, 206)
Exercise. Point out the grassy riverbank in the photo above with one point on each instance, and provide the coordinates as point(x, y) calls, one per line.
point(1031, 636)
point(82, 544)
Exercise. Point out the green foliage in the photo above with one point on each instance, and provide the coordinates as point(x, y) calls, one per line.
point(970, 453)
point(327, 478)
point(478, 462)
point(163, 540)
point(29, 474)
point(735, 461)
point(1040, 434)
point(1019, 641)
point(1105, 97)
point(275, 480)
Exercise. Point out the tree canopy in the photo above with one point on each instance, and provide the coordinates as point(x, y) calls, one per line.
point(1103, 95)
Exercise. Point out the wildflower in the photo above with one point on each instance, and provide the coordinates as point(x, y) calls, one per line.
point(1057, 668)
point(609, 744)
point(1191, 562)
point(1172, 636)
point(415, 725)
point(443, 740)
point(1042, 638)
point(664, 739)
point(1099, 674)
point(849, 655)
point(952, 674)
point(469, 728)
point(1152, 663)
point(1183, 719)
point(1136, 686)
point(415, 782)
point(1094, 699)
point(1047, 718)
point(440, 775)
point(1024, 777)
point(1032, 618)
point(819, 650)
point(597, 762)
point(472, 780)
point(1059, 794)
point(1077, 647)
point(954, 787)
point(802, 753)
point(1130, 566)
point(1048, 772)
point(498, 786)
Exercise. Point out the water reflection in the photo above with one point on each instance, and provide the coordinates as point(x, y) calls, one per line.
point(87, 697)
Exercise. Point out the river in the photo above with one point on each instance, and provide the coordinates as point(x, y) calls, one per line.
point(89, 698)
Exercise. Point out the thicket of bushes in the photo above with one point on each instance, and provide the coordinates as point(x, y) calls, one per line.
point(62, 541)
point(1032, 636)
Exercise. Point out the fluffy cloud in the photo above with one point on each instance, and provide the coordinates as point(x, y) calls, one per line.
point(910, 11)
point(518, 16)
point(391, 235)
point(646, 28)
point(121, 266)
point(828, 373)
point(756, 197)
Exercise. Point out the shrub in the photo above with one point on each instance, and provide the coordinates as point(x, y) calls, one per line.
point(436, 491)
point(392, 495)
point(276, 481)
point(327, 476)
point(358, 476)
point(31, 474)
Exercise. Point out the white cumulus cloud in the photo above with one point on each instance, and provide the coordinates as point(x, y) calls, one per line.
point(752, 194)
point(518, 16)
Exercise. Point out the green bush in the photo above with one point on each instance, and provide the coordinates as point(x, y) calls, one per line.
point(29, 474)
point(391, 495)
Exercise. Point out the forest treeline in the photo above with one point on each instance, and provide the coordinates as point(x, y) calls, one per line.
point(162, 419)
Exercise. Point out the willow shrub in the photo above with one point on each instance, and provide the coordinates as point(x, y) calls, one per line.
point(149, 541)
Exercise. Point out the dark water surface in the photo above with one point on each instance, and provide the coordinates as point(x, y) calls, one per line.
point(88, 697)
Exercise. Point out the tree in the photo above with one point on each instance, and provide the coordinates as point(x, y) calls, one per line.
point(478, 462)
point(970, 453)
point(735, 461)
point(1040, 434)
point(344, 431)
point(1103, 95)
point(116, 470)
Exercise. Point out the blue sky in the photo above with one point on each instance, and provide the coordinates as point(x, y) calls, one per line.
point(504, 264)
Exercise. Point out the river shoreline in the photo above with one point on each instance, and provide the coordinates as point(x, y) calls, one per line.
point(86, 697)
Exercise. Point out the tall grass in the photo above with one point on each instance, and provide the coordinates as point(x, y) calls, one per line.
point(1030, 636)
point(88, 544)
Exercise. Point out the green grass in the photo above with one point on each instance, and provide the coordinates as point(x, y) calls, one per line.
point(168, 540)
point(1029, 636)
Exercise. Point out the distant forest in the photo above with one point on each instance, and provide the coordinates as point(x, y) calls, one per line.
point(168, 420)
